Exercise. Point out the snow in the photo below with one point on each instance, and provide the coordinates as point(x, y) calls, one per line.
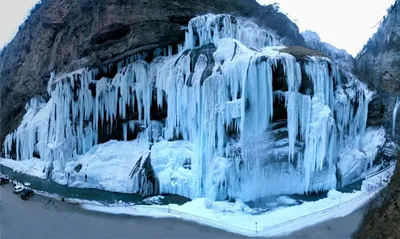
point(239, 218)
point(107, 167)
point(356, 162)
point(153, 200)
point(285, 200)
point(33, 167)
point(168, 160)
point(231, 214)
point(138, 211)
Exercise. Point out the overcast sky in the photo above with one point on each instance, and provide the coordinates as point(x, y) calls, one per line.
point(12, 14)
point(345, 24)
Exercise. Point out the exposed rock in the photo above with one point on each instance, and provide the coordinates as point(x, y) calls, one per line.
point(144, 175)
point(78, 168)
point(376, 111)
point(378, 64)
point(301, 53)
point(62, 35)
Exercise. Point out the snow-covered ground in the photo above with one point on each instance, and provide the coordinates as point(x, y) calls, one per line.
point(237, 217)
point(33, 167)
point(105, 164)
point(108, 166)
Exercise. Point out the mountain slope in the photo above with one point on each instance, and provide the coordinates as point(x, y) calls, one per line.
point(379, 65)
point(340, 56)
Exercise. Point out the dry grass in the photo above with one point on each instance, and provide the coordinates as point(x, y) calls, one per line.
point(301, 53)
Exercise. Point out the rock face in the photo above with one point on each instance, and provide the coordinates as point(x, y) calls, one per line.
point(64, 35)
point(378, 64)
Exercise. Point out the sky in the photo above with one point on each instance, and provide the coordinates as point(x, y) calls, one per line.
point(12, 14)
point(346, 24)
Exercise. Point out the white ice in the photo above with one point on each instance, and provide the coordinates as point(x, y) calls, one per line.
point(237, 217)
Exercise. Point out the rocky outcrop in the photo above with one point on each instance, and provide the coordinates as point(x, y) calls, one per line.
point(144, 177)
point(376, 110)
point(378, 64)
point(63, 35)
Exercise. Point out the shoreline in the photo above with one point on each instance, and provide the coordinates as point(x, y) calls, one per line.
point(43, 217)
point(285, 227)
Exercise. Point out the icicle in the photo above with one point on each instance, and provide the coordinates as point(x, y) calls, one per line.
point(257, 101)
point(125, 131)
point(293, 78)
point(395, 109)
point(210, 28)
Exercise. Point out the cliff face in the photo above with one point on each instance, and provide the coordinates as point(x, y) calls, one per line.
point(378, 64)
point(63, 35)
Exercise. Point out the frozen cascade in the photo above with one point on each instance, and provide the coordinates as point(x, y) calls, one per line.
point(211, 28)
point(395, 109)
point(219, 137)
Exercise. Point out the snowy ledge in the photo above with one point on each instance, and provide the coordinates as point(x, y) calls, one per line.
point(234, 217)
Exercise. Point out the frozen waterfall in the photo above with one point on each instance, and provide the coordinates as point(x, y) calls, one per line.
point(259, 122)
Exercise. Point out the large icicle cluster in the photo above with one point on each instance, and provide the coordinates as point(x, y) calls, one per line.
point(220, 94)
point(210, 28)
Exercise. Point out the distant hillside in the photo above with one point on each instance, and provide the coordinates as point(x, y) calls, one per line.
point(340, 56)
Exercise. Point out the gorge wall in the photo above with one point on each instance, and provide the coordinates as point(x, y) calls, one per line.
point(379, 64)
point(66, 35)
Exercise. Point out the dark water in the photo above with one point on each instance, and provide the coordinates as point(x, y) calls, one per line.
point(83, 193)
point(351, 187)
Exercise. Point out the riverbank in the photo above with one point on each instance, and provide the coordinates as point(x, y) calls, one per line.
point(43, 217)
point(239, 218)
